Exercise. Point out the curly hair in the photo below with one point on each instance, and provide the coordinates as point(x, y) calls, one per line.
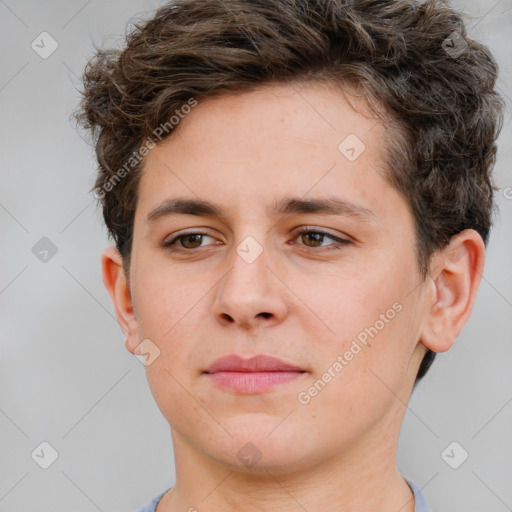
point(411, 61)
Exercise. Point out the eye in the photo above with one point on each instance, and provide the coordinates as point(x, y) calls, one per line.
point(313, 238)
point(187, 241)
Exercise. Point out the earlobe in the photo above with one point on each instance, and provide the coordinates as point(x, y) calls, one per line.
point(116, 284)
point(459, 267)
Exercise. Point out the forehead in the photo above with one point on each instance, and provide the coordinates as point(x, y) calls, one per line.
point(248, 150)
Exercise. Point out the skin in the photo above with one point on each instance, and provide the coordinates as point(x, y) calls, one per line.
point(243, 152)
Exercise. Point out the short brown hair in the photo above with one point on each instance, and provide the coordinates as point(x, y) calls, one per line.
point(409, 59)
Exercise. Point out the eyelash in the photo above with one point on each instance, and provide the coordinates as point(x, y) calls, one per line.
point(171, 244)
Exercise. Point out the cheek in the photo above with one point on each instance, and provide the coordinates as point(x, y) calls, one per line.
point(361, 374)
point(362, 323)
point(164, 298)
point(344, 307)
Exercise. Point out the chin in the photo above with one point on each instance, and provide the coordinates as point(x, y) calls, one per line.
point(259, 450)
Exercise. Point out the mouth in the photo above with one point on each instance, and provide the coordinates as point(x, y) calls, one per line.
point(251, 376)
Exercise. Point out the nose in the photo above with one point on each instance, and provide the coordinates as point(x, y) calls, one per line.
point(250, 295)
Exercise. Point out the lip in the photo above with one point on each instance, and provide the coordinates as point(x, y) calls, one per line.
point(258, 363)
point(250, 376)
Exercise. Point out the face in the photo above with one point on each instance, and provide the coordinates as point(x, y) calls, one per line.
point(307, 256)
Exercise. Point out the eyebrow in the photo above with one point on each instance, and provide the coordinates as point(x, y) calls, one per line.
point(286, 206)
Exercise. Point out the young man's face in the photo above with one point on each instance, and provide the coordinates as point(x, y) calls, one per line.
point(349, 315)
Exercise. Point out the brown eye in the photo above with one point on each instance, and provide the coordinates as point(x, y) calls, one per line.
point(191, 241)
point(187, 241)
point(312, 239)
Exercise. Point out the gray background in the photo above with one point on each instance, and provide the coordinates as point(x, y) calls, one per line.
point(65, 375)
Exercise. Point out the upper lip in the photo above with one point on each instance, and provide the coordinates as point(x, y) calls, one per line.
point(259, 363)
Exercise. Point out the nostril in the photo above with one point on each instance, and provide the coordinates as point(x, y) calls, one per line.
point(266, 315)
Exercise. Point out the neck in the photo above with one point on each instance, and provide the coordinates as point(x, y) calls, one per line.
point(362, 477)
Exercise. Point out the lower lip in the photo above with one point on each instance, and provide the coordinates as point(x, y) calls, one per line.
point(251, 382)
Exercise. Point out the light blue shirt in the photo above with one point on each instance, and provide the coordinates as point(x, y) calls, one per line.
point(420, 506)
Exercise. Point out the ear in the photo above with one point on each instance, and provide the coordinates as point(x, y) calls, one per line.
point(454, 280)
point(116, 284)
